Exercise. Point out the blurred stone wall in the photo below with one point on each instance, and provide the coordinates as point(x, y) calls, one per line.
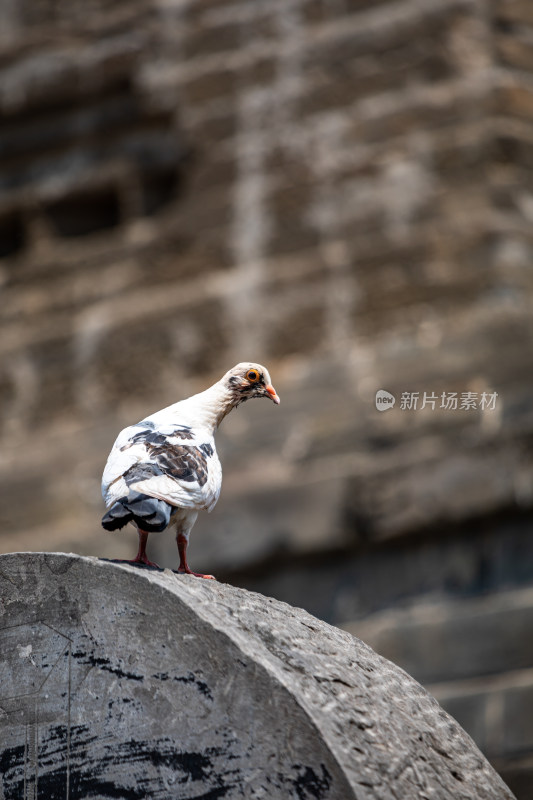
point(341, 190)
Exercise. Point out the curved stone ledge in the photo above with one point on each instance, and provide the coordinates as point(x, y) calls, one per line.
point(119, 682)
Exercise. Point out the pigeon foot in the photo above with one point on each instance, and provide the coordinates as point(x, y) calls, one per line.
point(187, 571)
point(143, 560)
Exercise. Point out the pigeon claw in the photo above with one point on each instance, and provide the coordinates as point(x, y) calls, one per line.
point(187, 571)
point(143, 560)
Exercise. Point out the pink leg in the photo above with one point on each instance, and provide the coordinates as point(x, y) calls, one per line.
point(141, 557)
point(184, 567)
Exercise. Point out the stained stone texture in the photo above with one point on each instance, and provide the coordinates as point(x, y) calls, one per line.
point(132, 683)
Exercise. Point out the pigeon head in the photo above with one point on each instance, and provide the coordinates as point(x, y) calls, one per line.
point(248, 380)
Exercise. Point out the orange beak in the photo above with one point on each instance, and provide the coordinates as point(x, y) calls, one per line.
point(271, 392)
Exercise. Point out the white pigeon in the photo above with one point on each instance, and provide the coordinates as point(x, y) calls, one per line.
point(163, 470)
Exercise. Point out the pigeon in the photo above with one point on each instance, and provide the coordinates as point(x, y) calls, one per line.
point(164, 469)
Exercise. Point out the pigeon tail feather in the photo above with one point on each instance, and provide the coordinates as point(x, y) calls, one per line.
point(149, 513)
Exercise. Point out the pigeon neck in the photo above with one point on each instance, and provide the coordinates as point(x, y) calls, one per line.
point(211, 406)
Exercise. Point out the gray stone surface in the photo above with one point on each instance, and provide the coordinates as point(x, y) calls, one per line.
point(118, 682)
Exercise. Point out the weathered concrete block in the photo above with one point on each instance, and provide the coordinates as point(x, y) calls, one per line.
point(128, 683)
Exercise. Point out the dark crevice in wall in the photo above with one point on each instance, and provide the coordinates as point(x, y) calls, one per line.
point(158, 189)
point(84, 213)
point(12, 234)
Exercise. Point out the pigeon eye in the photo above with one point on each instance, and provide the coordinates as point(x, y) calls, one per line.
point(252, 375)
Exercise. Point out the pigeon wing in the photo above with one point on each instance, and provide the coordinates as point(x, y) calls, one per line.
point(171, 463)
